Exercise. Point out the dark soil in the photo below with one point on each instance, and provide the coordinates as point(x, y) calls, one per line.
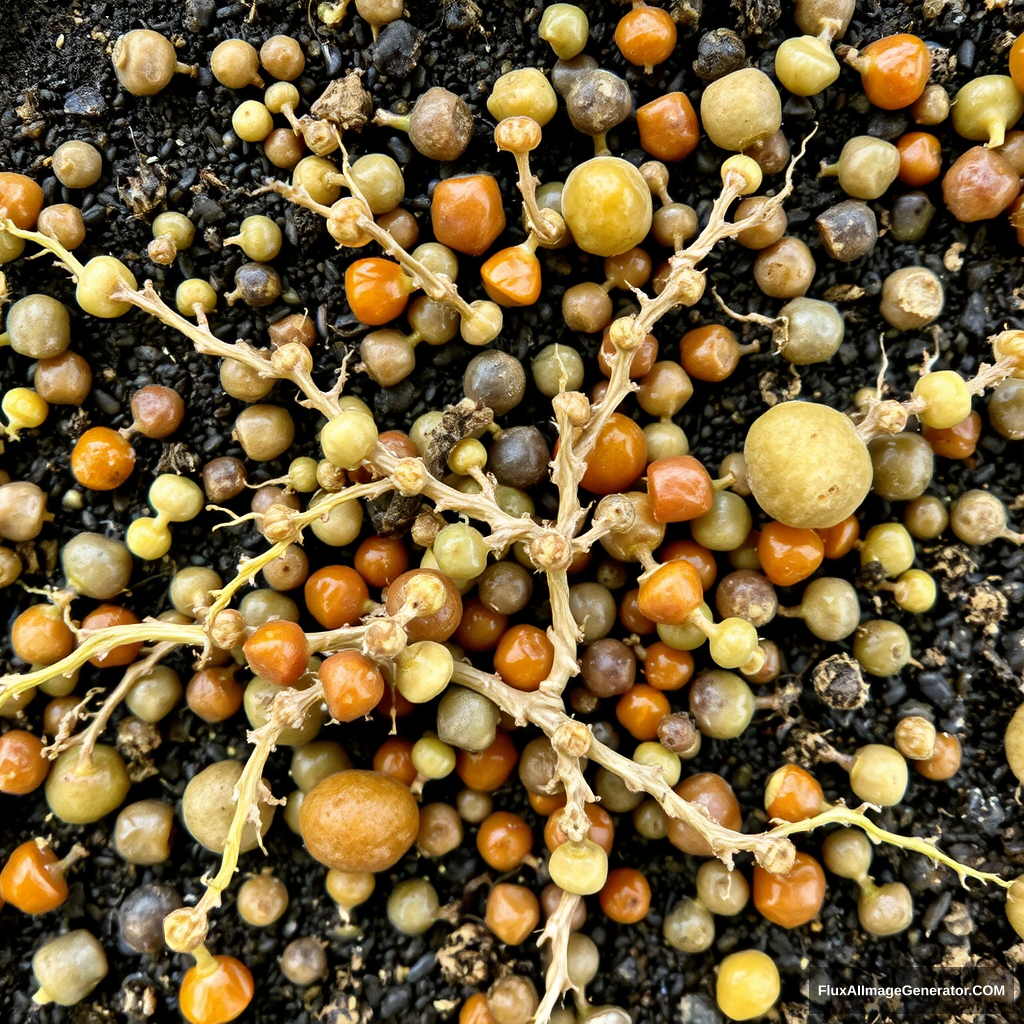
point(175, 151)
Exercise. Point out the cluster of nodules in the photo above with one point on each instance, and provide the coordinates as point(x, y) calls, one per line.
point(805, 466)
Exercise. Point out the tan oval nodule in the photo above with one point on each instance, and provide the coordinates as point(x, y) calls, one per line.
point(359, 820)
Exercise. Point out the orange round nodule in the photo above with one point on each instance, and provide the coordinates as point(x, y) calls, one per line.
point(278, 651)
point(40, 635)
point(618, 457)
point(679, 488)
point(353, 685)
point(646, 36)
point(336, 596)
point(793, 794)
point(666, 668)
point(475, 1010)
point(31, 881)
point(894, 70)
point(214, 694)
point(626, 896)
point(113, 615)
point(481, 628)
point(377, 290)
point(513, 911)
point(380, 561)
point(467, 213)
point(920, 158)
point(511, 277)
point(21, 199)
point(630, 615)
point(102, 459)
point(956, 442)
point(216, 993)
point(23, 768)
point(709, 353)
point(838, 541)
point(669, 129)
point(394, 758)
point(671, 593)
point(640, 711)
point(789, 554)
point(488, 769)
point(697, 555)
point(504, 840)
point(524, 657)
point(793, 898)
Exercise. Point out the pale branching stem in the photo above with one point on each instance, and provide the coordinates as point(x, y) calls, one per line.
point(52, 245)
point(556, 934)
point(186, 929)
point(291, 525)
point(564, 635)
point(206, 344)
point(67, 723)
point(772, 850)
point(547, 230)
point(94, 642)
point(619, 385)
point(505, 529)
point(572, 411)
point(842, 815)
point(94, 729)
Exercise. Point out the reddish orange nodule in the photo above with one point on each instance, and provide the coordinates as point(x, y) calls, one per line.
point(669, 129)
point(697, 555)
point(102, 459)
point(336, 596)
point(979, 185)
point(524, 657)
point(511, 277)
point(665, 668)
point(715, 795)
point(381, 560)
point(23, 768)
point(278, 651)
point(920, 158)
point(377, 290)
point(618, 457)
point(488, 769)
point(838, 541)
point(671, 593)
point(353, 685)
point(894, 70)
point(31, 880)
point(601, 830)
point(1017, 62)
point(789, 554)
point(394, 758)
point(217, 993)
point(956, 442)
point(626, 896)
point(504, 840)
point(679, 488)
point(793, 794)
point(21, 199)
point(640, 711)
point(481, 628)
point(793, 898)
point(646, 36)
point(214, 694)
point(467, 213)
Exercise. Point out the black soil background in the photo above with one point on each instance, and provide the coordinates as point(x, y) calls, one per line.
point(176, 151)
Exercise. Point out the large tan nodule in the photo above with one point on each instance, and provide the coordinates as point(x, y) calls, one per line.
point(806, 465)
point(359, 820)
